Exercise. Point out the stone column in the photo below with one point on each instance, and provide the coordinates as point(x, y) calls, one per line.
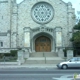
point(26, 54)
point(61, 53)
point(58, 39)
point(27, 37)
point(69, 54)
point(14, 26)
point(20, 57)
point(26, 41)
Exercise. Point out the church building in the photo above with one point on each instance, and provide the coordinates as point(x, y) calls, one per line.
point(36, 26)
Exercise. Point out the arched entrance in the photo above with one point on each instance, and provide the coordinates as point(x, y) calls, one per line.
point(43, 44)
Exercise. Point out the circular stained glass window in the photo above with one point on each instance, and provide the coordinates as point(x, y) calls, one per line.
point(42, 12)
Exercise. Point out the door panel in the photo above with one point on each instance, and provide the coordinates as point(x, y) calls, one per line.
point(43, 44)
point(37, 47)
point(72, 64)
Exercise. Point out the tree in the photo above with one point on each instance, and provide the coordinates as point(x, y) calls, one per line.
point(77, 26)
point(76, 35)
point(76, 38)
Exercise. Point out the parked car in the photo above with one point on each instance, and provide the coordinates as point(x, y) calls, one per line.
point(71, 63)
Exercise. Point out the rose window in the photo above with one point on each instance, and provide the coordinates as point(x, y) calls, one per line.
point(42, 12)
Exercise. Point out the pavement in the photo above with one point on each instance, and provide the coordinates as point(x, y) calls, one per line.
point(28, 66)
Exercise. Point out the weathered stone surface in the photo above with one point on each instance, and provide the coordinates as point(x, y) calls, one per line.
point(15, 18)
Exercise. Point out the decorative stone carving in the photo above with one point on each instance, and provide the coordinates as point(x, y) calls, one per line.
point(42, 12)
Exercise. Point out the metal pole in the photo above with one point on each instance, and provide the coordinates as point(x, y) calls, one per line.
point(4, 60)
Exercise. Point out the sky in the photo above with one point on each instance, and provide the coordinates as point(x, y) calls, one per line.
point(75, 4)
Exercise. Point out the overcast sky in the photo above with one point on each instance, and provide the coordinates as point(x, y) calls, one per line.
point(75, 3)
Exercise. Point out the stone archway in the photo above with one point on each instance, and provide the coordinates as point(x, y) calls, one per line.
point(42, 44)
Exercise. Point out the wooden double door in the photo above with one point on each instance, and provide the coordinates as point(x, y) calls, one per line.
point(43, 44)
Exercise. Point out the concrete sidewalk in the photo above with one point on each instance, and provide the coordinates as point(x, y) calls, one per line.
point(29, 66)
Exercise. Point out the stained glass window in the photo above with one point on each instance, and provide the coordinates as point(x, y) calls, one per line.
point(42, 12)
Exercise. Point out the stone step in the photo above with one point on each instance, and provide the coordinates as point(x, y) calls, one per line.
point(43, 60)
point(43, 54)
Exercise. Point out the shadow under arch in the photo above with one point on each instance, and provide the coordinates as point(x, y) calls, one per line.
point(47, 37)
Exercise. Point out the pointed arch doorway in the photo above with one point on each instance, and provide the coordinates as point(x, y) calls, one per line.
point(43, 44)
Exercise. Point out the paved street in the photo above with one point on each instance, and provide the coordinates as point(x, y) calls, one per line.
point(37, 74)
point(32, 77)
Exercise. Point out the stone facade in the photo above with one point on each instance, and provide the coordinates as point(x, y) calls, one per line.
point(19, 30)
